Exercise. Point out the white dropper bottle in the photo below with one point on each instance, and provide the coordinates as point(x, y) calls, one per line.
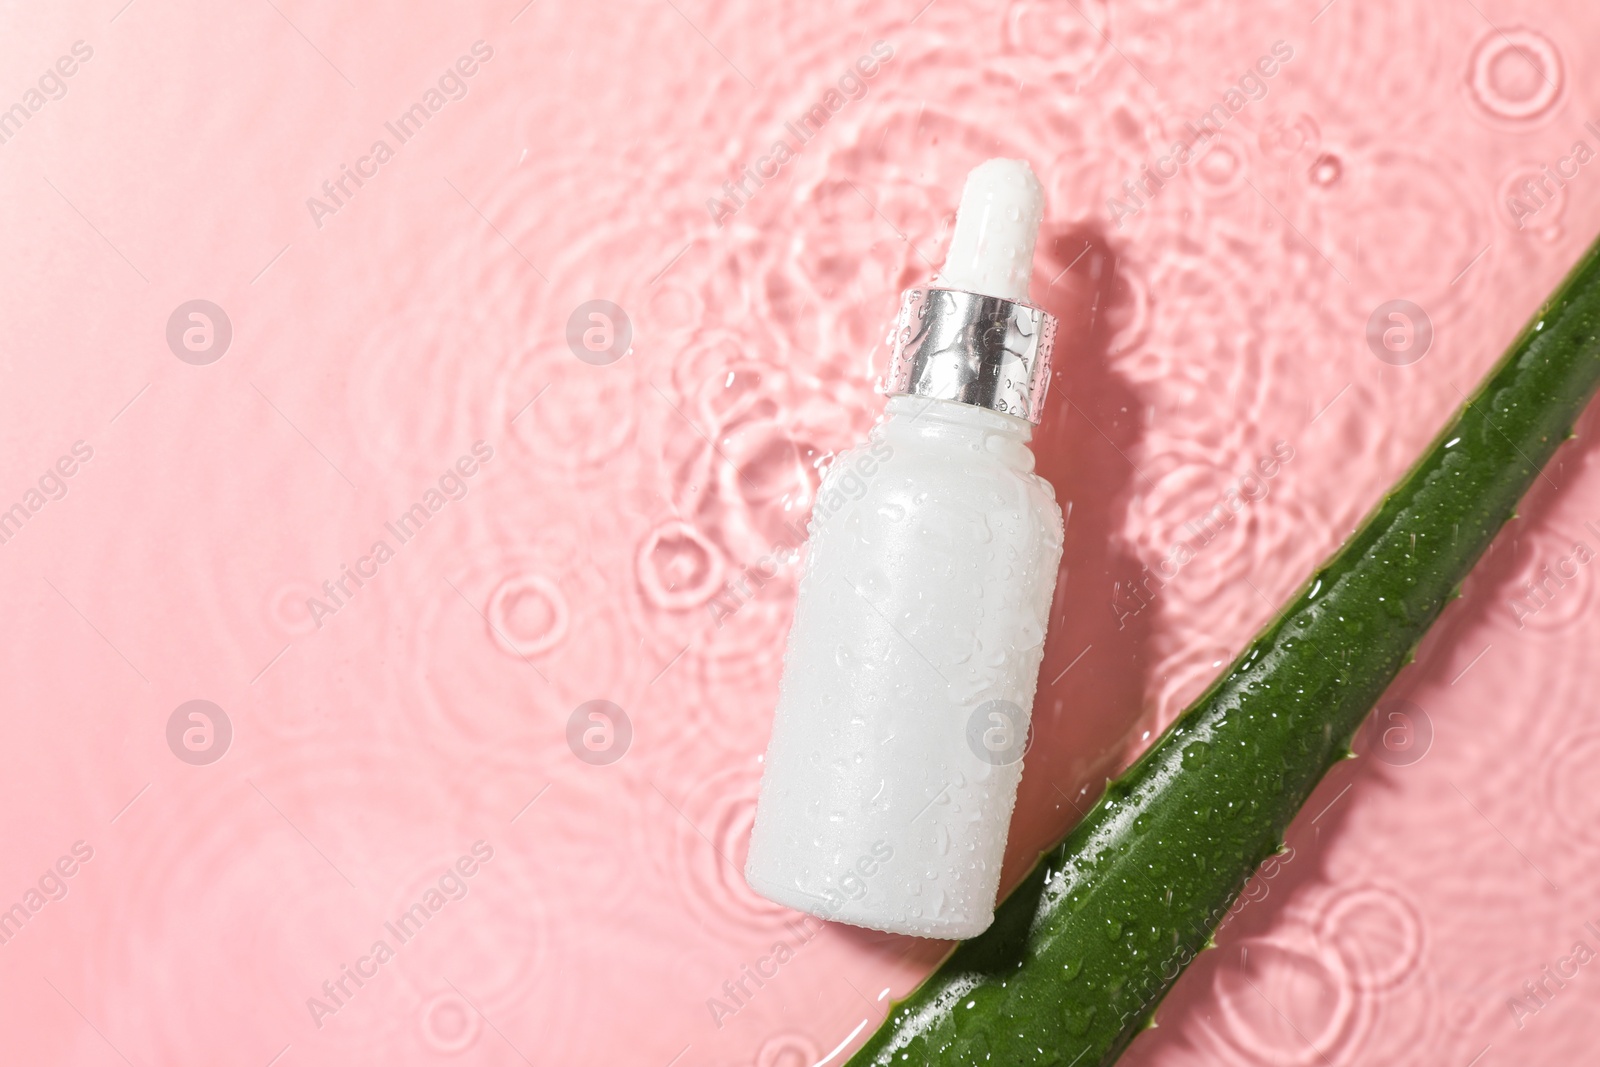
point(912, 662)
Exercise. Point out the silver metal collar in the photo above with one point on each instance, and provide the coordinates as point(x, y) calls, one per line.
point(980, 350)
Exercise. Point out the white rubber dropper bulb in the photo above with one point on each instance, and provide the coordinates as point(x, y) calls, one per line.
point(997, 225)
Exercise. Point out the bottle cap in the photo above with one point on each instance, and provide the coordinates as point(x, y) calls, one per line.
point(973, 337)
point(980, 350)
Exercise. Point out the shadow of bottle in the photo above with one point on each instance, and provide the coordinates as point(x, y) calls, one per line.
point(1092, 682)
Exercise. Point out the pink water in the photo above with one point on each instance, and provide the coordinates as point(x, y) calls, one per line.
point(627, 537)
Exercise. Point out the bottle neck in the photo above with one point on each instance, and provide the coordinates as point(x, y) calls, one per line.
point(949, 423)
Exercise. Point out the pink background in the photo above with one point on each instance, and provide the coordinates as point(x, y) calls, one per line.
point(429, 312)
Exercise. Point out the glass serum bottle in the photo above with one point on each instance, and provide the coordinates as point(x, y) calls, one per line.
point(910, 671)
